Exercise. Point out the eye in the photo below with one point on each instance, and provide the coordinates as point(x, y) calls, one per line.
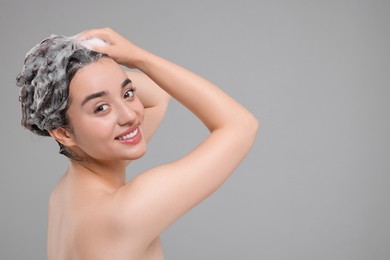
point(101, 108)
point(129, 93)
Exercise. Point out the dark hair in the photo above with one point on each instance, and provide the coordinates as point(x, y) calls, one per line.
point(44, 83)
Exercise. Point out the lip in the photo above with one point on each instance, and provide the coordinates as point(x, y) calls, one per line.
point(133, 140)
point(127, 132)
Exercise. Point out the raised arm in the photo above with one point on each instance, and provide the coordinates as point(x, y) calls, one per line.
point(157, 197)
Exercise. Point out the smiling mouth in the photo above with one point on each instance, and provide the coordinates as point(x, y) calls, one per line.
point(129, 135)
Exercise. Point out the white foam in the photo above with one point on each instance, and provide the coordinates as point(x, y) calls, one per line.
point(91, 42)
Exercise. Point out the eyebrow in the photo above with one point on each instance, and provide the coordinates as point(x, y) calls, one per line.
point(125, 82)
point(103, 93)
point(92, 96)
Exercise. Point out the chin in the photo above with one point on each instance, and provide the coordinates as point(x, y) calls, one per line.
point(136, 154)
point(135, 157)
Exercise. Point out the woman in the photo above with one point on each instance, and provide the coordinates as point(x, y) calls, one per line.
point(101, 125)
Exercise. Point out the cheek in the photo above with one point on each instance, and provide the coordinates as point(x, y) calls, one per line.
point(139, 108)
point(92, 128)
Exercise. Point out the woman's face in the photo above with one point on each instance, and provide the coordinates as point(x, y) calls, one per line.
point(104, 113)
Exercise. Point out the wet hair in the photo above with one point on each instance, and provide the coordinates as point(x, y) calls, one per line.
point(44, 83)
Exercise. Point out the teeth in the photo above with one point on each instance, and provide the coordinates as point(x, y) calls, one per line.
point(130, 135)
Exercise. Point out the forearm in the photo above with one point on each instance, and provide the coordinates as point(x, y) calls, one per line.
point(209, 103)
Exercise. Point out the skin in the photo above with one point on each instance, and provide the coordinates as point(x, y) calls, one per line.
point(93, 212)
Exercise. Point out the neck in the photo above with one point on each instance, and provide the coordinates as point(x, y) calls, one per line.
point(109, 173)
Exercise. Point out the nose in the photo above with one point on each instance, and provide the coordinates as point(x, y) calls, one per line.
point(126, 114)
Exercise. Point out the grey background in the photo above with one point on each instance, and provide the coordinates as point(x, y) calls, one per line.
point(315, 73)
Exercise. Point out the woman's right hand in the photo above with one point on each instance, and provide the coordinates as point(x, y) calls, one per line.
point(118, 48)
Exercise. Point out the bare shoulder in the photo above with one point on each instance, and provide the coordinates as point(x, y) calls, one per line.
point(82, 209)
point(90, 221)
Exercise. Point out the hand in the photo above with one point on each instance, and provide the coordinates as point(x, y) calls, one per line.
point(118, 48)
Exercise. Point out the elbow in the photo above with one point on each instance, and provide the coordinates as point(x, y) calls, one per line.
point(248, 125)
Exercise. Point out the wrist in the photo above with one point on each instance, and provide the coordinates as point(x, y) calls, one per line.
point(145, 61)
point(136, 59)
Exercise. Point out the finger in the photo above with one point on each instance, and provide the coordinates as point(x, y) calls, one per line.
point(100, 49)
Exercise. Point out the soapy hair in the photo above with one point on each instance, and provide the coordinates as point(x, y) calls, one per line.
point(44, 83)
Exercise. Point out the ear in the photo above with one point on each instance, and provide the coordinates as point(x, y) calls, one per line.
point(63, 136)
